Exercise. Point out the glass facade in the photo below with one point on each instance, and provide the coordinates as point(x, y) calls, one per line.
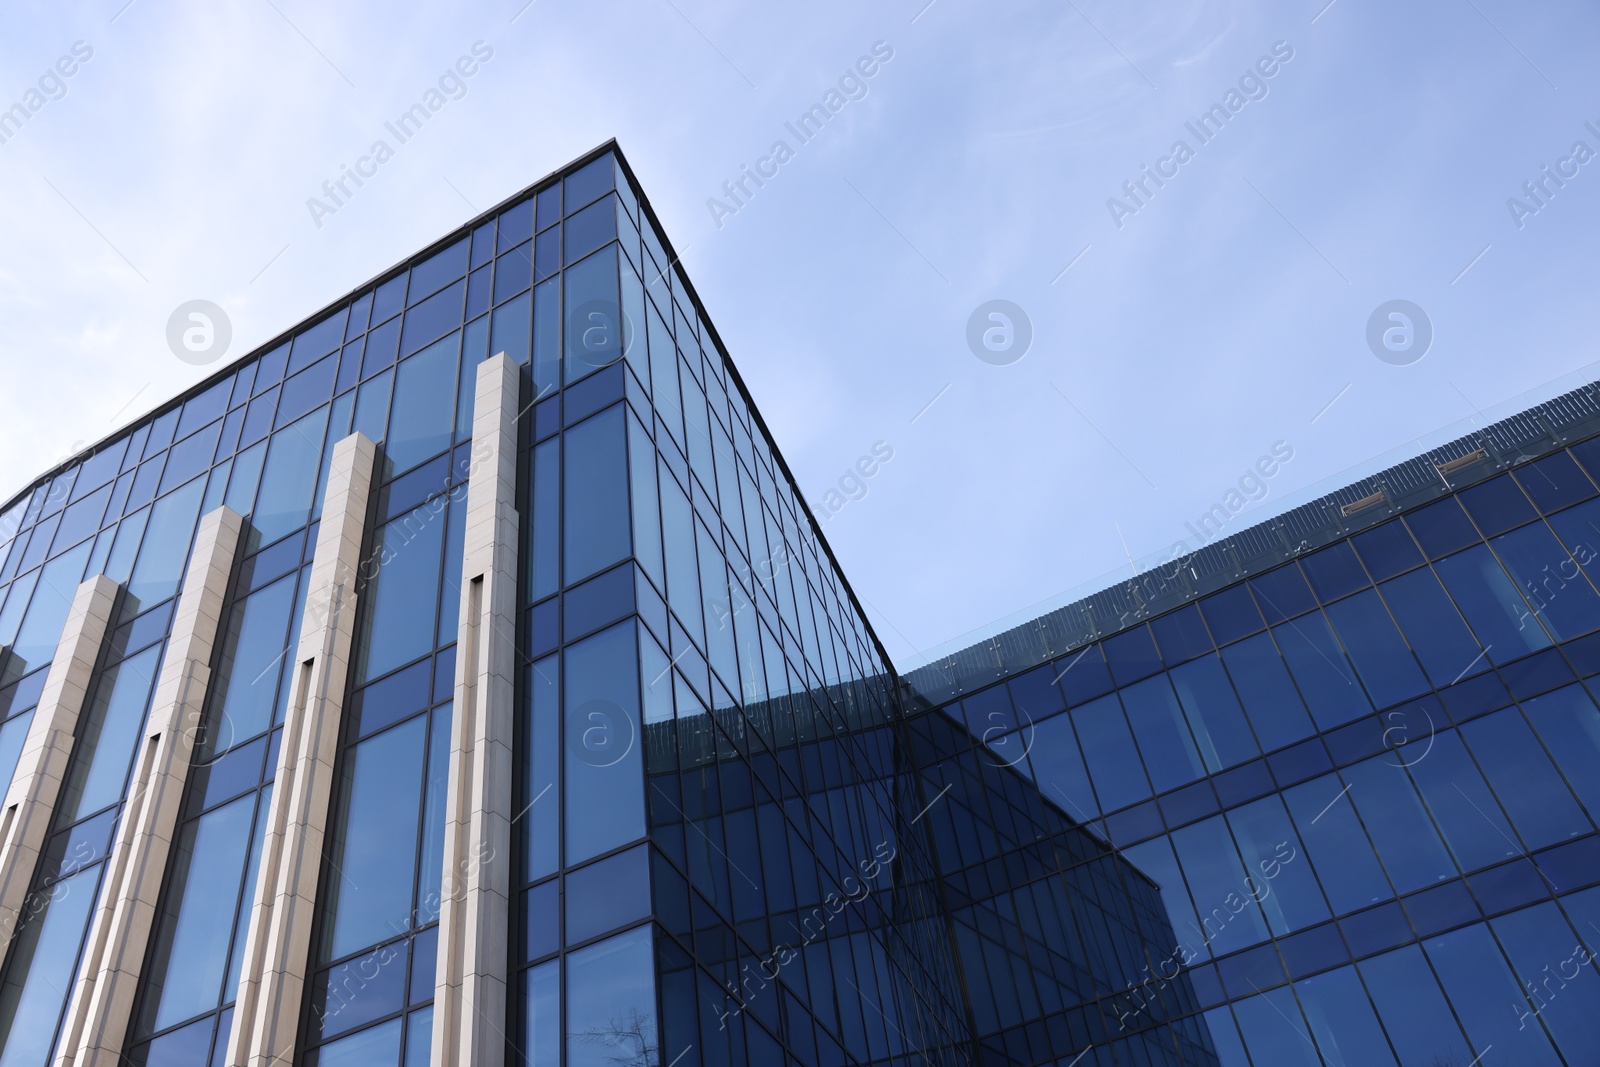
point(1334, 805)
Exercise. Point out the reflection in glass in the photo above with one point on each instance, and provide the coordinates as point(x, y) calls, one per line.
point(611, 1003)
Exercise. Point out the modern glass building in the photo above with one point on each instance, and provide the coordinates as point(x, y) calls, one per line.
point(462, 679)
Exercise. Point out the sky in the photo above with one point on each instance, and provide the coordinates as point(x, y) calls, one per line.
point(1161, 335)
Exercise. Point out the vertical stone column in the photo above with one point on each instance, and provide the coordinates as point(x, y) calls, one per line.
point(470, 986)
point(119, 933)
point(277, 949)
point(30, 802)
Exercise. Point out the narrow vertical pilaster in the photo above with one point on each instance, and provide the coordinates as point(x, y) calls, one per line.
point(277, 948)
point(470, 985)
point(30, 802)
point(119, 933)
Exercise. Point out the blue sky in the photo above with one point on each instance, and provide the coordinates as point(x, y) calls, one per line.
point(1226, 316)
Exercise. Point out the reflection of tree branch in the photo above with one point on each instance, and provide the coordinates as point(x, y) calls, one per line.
point(634, 1039)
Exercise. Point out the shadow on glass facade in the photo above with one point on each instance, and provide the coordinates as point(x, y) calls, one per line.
point(1323, 792)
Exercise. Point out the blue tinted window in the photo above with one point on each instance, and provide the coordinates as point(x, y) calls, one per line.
point(1220, 729)
point(1083, 675)
point(1342, 1021)
point(604, 803)
point(424, 407)
point(1319, 666)
point(1381, 657)
point(512, 332)
point(610, 893)
point(590, 228)
point(1398, 824)
point(593, 180)
point(1554, 482)
point(1502, 620)
point(1334, 571)
point(1516, 765)
point(543, 1020)
point(42, 963)
point(1442, 527)
point(541, 825)
point(1336, 844)
point(1551, 580)
point(1279, 875)
point(1283, 593)
point(306, 390)
point(1485, 995)
point(1569, 723)
point(595, 508)
point(1269, 696)
point(438, 270)
point(383, 344)
point(516, 224)
point(592, 315)
point(1163, 733)
point(544, 528)
point(1459, 799)
point(1230, 917)
point(1181, 635)
point(1132, 655)
point(289, 478)
point(1109, 750)
point(513, 272)
point(1274, 1030)
point(1433, 627)
point(1058, 768)
point(430, 320)
point(402, 606)
point(1541, 944)
point(1387, 550)
point(108, 736)
point(1231, 614)
point(611, 1002)
point(1497, 505)
point(245, 683)
point(1413, 1010)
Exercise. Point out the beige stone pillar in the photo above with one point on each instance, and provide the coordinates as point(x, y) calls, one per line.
point(30, 802)
point(119, 932)
point(469, 1007)
point(277, 950)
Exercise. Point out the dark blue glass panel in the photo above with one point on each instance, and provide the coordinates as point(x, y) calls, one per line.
point(482, 245)
point(547, 255)
point(258, 418)
point(1300, 762)
point(197, 411)
point(592, 314)
point(383, 344)
point(478, 293)
point(389, 298)
point(289, 479)
point(1398, 824)
point(1497, 505)
point(1551, 580)
point(1381, 656)
point(307, 390)
point(1534, 795)
point(541, 910)
point(1230, 917)
point(1511, 885)
point(187, 1047)
point(598, 602)
point(1546, 957)
point(595, 509)
point(349, 366)
point(360, 312)
point(607, 894)
point(1131, 655)
point(1283, 593)
point(1319, 666)
point(1334, 571)
point(403, 603)
point(590, 228)
point(1414, 1012)
point(1569, 723)
point(1109, 750)
point(1502, 620)
point(270, 367)
point(1279, 876)
point(1433, 627)
point(1482, 989)
point(516, 225)
point(1387, 550)
point(1058, 768)
point(1466, 811)
point(604, 782)
point(1337, 846)
point(593, 180)
point(1438, 909)
point(1083, 675)
point(1342, 1020)
point(423, 412)
point(388, 701)
point(1269, 696)
point(1554, 482)
point(513, 272)
point(430, 320)
point(1441, 528)
point(593, 393)
point(316, 342)
point(1035, 694)
point(1181, 635)
point(1244, 783)
point(82, 519)
point(437, 271)
point(1162, 732)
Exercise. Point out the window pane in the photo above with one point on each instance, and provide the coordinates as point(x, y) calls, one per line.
point(52, 598)
point(424, 407)
point(512, 332)
point(1486, 996)
point(604, 801)
point(1058, 768)
point(1534, 795)
point(596, 499)
point(104, 751)
point(646, 513)
point(544, 525)
point(289, 479)
point(1385, 663)
point(373, 851)
point(611, 1003)
point(1503, 621)
point(12, 734)
point(1398, 824)
point(1274, 1031)
point(1108, 749)
point(1326, 680)
point(541, 824)
point(247, 676)
point(40, 974)
point(1269, 696)
point(1413, 1010)
point(376, 1047)
point(1569, 722)
point(1220, 729)
point(1541, 946)
point(205, 885)
point(1347, 1031)
point(1275, 862)
point(402, 609)
point(430, 884)
point(1433, 627)
point(544, 1015)
point(1163, 733)
point(1230, 917)
point(1338, 848)
point(591, 315)
point(1461, 803)
point(1551, 579)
